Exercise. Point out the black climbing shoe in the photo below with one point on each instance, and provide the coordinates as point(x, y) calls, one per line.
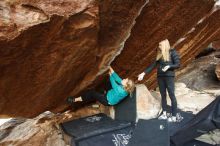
point(70, 100)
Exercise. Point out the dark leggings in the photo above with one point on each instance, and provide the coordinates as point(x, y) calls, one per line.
point(92, 95)
point(167, 83)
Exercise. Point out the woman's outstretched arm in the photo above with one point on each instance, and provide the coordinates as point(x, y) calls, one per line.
point(115, 76)
point(113, 82)
point(151, 67)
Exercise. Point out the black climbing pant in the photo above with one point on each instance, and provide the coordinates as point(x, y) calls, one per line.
point(93, 95)
point(166, 83)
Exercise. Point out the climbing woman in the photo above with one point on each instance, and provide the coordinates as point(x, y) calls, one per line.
point(118, 90)
point(167, 61)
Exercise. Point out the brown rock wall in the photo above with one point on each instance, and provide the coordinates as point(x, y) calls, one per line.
point(52, 49)
point(189, 25)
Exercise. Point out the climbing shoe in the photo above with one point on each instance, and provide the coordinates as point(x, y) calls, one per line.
point(70, 100)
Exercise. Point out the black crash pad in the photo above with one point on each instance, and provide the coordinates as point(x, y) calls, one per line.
point(206, 120)
point(118, 137)
point(196, 143)
point(151, 132)
point(126, 110)
point(97, 130)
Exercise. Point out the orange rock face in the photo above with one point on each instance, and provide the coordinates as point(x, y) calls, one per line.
point(189, 25)
point(50, 49)
point(41, 54)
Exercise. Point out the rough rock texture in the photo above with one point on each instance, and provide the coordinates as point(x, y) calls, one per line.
point(189, 25)
point(191, 100)
point(50, 49)
point(200, 75)
point(42, 130)
point(116, 20)
point(212, 137)
point(148, 106)
point(39, 57)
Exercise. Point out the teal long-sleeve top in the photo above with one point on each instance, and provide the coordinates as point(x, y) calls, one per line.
point(117, 93)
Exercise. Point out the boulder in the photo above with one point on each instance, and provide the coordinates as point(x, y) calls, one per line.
point(141, 105)
point(53, 49)
point(42, 130)
point(200, 74)
point(148, 106)
point(191, 100)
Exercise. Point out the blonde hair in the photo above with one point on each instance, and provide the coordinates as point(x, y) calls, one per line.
point(130, 86)
point(165, 50)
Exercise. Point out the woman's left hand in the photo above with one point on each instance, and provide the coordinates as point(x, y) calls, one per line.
point(165, 68)
point(110, 73)
point(111, 70)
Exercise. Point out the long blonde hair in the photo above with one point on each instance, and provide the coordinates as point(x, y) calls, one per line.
point(165, 50)
point(130, 86)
